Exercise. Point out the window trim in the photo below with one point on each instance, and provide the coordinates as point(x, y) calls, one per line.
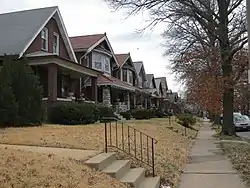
point(46, 39)
point(58, 43)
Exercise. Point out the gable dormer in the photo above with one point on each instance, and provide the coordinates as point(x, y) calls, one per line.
point(126, 71)
point(141, 74)
point(95, 51)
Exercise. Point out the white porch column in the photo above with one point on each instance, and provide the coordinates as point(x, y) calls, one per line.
point(106, 98)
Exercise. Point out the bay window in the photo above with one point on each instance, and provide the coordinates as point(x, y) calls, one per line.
point(124, 75)
point(101, 62)
point(130, 76)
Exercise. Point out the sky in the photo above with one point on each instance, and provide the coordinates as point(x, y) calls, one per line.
point(83, 17)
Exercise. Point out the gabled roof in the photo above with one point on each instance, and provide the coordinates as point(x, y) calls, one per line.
point(89, 42)
point(85, 41)
point(164, 83)
point(19, 29)
point(122, 58)
point(150, 79)
point(138, 67)
point(158, 83)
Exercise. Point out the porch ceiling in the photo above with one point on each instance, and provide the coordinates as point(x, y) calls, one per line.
point(63, 63)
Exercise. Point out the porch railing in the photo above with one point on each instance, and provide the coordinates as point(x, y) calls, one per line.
point(129, 140)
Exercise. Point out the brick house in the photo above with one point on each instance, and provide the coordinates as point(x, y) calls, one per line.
point(41, 36)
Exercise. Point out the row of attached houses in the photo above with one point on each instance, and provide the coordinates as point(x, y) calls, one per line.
point(81, 68)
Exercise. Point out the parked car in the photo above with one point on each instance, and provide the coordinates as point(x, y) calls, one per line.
point(235, 114)
point(241, 122)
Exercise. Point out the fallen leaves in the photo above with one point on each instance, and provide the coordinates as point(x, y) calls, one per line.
point(171, 150)
point(33, 170)
point(240, 156)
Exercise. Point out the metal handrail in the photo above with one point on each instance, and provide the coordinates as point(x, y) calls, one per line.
point(134, 136)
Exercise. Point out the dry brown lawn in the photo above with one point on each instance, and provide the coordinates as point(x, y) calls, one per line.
point(171, 150)
point(31, 170)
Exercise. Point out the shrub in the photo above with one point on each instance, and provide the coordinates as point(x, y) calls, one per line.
point(159, 113)
point(9, 106)
point(126, 115)
point(186, 120)
point(73, 113)
point(105, 111)
point(25, 91)
point(142, 113)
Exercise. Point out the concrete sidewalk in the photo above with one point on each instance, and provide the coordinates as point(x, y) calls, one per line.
point(207, 167)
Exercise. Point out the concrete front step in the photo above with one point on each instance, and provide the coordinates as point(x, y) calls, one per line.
point(150, 182)
point(101, 161)
point(134, 176)
point(120, 169)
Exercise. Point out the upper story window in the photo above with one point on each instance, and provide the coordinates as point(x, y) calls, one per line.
point(55, 43)
point(140, 81)
point(130, 76)
point(101, 62)
point(124, 75)
point(45, 39)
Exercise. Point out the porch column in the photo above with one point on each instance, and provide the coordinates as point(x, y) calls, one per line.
point(158, 103)
point(52, 83)
point(150, 102)
point(134, 100)
point(141, 97)
point(127, 100)
point(106, 96)
point(94, 89)
point(146, 103)
point(77, 89)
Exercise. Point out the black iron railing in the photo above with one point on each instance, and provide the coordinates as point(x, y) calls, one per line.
point(131, 141)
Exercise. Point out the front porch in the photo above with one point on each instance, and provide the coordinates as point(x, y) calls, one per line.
point(60, 79)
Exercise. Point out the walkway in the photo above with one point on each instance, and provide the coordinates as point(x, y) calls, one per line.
point(207, 167)
point(61, 152)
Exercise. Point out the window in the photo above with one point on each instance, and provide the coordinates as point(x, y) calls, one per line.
point(124, 75)
point(97, 61)
point(140, 81)
point(130, 76)
point(44, 36)
point(101, 62)
point(55, 43)
point(106, 64)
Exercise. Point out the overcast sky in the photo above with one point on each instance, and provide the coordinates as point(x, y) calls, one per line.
point(83, 17)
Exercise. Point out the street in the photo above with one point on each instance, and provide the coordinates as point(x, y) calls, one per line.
point(245, 134)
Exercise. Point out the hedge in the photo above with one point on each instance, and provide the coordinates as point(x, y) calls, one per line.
point(142, 113)
point(78, 113)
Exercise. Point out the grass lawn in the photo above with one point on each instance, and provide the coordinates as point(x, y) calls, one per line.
point(171, 150)
point(240, 156)
point(33, 170)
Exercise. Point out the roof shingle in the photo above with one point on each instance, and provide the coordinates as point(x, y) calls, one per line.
point(18, 28)
point(121, 58)
point(85, 41)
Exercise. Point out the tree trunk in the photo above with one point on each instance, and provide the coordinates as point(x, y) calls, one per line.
point(226, 62)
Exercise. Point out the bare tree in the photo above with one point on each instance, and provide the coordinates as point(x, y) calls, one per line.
point(199, 24)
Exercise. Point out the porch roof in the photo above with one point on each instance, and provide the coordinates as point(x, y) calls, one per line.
point(48, 58)
point(114, 82)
